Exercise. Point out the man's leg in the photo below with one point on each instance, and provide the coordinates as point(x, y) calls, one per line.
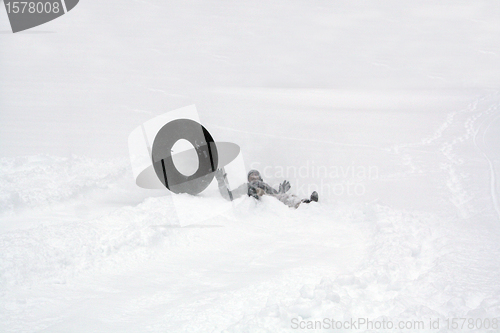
point(292, 200)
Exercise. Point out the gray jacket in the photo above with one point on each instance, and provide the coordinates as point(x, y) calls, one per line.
point(254, 189)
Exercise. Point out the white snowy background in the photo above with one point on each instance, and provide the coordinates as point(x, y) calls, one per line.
point(397, 100)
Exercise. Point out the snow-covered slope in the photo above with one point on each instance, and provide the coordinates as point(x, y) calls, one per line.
point(390, 110)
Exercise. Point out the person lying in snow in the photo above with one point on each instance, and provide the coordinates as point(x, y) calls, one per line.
point(257, 188)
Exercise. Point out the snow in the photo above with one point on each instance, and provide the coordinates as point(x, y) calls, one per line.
point(390, 110)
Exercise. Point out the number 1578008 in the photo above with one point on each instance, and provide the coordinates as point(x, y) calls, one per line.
point(32, 7)
point(472, 323)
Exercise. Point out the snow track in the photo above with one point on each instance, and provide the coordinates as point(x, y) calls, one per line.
point(492, 116)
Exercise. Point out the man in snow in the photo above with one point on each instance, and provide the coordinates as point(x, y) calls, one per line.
point(256, 188)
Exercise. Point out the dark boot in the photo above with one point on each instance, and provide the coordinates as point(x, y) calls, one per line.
point(314, 197)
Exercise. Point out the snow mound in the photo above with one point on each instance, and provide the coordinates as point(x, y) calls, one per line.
point(37, 181)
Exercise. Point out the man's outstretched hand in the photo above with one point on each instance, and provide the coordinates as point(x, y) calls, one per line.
point(220, 176)
point(284, 187)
